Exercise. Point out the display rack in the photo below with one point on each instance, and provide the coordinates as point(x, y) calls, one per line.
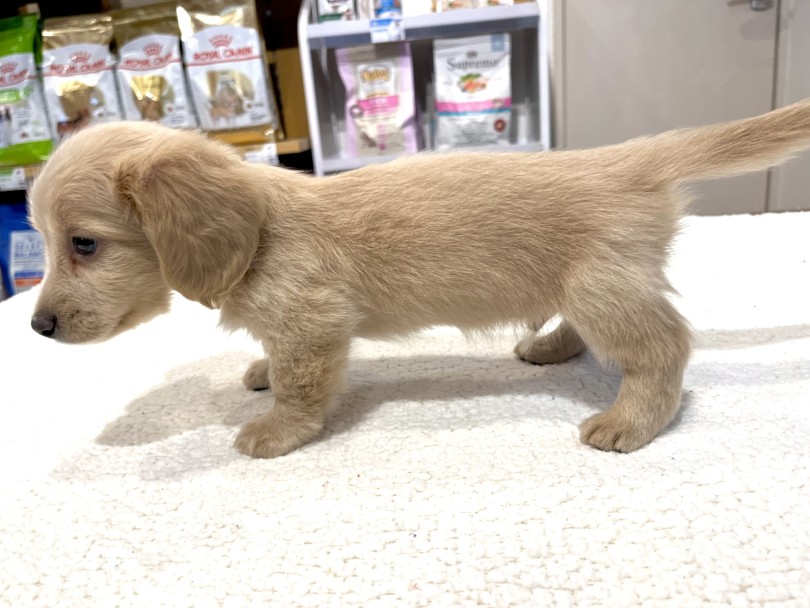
point(325, 95)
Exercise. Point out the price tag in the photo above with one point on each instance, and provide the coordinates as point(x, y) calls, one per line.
point(266, 155)
point(388, 29)
point(13, 179)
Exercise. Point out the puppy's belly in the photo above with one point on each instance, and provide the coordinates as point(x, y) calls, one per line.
point(379, 324)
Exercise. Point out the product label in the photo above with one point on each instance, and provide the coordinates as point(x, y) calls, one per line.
point(152, 83)
point(27, 260)
point(227, 75)
point(387, 29)
point(264, 155)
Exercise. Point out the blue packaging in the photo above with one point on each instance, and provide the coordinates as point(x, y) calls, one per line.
point(22, 252)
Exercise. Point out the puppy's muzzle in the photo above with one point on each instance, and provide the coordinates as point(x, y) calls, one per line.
point(44, 323)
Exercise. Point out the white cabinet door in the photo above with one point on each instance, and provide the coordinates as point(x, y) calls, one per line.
point(790, 183)
point(636, 67)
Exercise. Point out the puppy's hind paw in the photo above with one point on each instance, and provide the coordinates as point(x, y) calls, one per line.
point(257, 376)
point(272, 435)
point(611, 432)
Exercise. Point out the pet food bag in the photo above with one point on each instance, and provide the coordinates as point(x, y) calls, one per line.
point(78, 72)
point(380, 108)
point(25, 136)
point(224, 54)
point(336, 10)
point(150, 73)
point(22, 251)
point(473, 91)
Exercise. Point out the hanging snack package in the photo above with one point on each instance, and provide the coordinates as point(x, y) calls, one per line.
point(336, 10)
point(473, 91)
point(150, 73)
point(25, 137)
point(224, 54)
point(77, 71)
point(380, 108)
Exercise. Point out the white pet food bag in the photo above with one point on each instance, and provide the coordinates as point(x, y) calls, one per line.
point(77, 70)
point(473, 91)
point(224, 56)
point(150, 70)
point(380, 108)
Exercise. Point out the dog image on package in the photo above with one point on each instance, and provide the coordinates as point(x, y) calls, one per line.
point(130, 211)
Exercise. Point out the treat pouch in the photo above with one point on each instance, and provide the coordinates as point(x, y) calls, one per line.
point(473, 90)
point(380, 107)
point(224, 55)
point(151, 80)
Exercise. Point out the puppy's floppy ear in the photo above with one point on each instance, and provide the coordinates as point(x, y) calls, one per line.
point(199, 209)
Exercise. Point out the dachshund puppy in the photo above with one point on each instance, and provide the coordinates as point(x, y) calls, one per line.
point(130, 211)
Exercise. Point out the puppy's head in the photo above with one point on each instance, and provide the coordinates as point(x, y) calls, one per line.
point(129, 211)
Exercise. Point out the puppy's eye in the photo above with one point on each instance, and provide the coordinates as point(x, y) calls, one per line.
point(84, 246)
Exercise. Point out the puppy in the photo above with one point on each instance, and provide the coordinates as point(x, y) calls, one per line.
point(130, 211)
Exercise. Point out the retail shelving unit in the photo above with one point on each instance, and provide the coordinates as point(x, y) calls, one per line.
point(325, 96)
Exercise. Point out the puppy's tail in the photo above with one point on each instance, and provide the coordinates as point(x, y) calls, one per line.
point(725, 149)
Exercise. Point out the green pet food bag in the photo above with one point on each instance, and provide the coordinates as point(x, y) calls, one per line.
point(25, 136)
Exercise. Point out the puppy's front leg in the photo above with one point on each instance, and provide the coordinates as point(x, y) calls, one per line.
point(305, 376)
point(257, 376)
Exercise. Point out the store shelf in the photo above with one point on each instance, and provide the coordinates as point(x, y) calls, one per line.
point(527, 24)
point(293, 146)
point(469, 22)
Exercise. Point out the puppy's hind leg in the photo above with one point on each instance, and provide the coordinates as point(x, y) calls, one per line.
point(556, 346)
point(624, 319)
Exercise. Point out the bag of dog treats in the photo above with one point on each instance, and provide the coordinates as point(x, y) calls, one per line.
point(473, 90)
point(25, 137)
point(380, 109)
point(22, 251)
point(150, 73)
point(224, 54)
point(77, 71)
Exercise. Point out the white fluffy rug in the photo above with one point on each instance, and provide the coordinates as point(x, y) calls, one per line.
point(449, 474)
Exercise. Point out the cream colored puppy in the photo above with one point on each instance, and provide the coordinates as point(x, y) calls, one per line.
point(130, 211)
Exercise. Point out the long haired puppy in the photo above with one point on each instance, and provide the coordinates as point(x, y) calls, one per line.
point(130, 211)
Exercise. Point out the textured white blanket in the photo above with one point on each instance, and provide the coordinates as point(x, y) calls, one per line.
point(450, 473)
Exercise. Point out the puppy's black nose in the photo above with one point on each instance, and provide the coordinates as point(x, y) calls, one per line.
point(44, 324)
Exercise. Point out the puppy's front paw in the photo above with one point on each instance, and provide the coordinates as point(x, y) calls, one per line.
point(538, 351)
point(272, 435)
point(257, 376)
point(561, 344)
point(612, 432)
